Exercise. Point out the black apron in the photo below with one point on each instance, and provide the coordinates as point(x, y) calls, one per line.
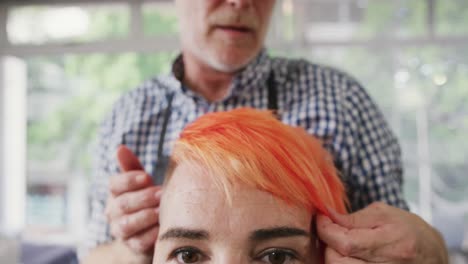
point(163, 161)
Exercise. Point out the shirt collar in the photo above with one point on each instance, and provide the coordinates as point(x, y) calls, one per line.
point(254, 75)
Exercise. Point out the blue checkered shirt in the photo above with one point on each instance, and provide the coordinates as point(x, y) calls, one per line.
point(327, 103)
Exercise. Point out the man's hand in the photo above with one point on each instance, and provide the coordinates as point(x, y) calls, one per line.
point(380, 234)
point(133, 204)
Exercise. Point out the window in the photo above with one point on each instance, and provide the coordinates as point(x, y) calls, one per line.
point(39, 24)
point(68, 92)
point(410, 55)
point(68, 95)
point(163, 15)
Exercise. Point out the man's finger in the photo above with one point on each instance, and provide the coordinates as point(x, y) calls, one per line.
point(144, 241)
point(127, 160)
point(132, 202)
point(372, 216)
point(359, 243)
point(128, 182)
point(129, 225)
point(331, 257)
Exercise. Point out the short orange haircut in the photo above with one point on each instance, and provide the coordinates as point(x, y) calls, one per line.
point(252, 147)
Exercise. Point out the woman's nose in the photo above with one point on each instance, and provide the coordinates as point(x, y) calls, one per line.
point(233, 257)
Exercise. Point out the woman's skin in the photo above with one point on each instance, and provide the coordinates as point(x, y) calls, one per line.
point(200, 224)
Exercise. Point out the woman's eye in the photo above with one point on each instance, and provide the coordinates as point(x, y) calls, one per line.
point(278, 257)
point(188, 256)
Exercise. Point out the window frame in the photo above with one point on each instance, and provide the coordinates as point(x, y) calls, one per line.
point(3, 180)
point(136, 41)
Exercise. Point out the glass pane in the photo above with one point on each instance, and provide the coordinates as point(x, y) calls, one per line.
point(285, 24)
point(159, 19)
point(71, 23)
point(67, 99)
point(411, 180)
point(363, 19)
point(452, 17)
point(439, 78)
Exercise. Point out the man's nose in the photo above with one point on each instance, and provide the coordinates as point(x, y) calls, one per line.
point(240, 4)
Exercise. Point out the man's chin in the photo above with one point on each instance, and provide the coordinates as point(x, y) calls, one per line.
point(226, 60)
point(227, 68)
point(228, 65)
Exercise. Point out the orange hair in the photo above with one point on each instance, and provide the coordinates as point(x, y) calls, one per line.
point(254, 148)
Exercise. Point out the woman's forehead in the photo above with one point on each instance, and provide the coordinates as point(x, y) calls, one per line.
point(191, 199)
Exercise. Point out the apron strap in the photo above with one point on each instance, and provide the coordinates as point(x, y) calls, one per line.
point(162, 163)
point(272, 94)
point(167, 115)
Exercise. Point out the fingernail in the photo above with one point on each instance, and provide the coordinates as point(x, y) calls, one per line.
point(332, 211)
point(158, 194)
point(141, 178)
point(334, 215)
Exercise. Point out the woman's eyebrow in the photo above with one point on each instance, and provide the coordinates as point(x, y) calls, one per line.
point(184, 233)
point(277, 232)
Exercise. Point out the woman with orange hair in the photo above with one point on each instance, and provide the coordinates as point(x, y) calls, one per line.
point(244, 188)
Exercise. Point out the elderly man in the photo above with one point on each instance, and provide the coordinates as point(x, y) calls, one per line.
point(223, 66)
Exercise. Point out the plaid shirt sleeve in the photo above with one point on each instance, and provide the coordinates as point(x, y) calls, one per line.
point(375, 170)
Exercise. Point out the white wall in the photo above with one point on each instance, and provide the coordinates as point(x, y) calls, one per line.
point(2, 183)
point(13, 144)
point(12, 136)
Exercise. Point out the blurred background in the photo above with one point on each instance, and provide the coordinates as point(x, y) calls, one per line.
point(64, 62)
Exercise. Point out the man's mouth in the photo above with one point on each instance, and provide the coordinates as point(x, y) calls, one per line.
point(235, 29)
